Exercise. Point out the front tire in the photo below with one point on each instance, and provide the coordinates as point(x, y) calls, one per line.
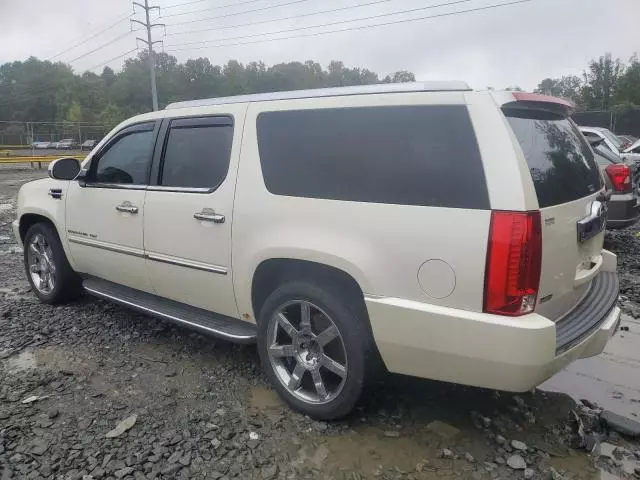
point(314, 344)
point(48, 271)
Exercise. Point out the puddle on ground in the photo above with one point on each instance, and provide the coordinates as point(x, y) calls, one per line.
point(25, 360)
point(264, 398)
point(367, 448)
point(609, 379)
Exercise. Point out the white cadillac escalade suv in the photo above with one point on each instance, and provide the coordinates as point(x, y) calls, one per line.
point(442, 232)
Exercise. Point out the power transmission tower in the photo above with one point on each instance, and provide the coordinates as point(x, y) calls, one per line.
point(152, 67)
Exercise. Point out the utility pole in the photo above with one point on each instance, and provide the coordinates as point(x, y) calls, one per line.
point(148, 25)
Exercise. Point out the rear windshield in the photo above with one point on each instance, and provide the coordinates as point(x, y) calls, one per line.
point(612, 138)
point(560, 161)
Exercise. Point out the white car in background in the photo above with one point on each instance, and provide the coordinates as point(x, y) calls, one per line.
point(613, 143)
point(634, 149)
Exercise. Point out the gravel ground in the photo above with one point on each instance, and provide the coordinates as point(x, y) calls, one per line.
point(92, 390)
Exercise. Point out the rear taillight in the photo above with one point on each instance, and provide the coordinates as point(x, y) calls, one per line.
point(620, 176)
point(514, 256)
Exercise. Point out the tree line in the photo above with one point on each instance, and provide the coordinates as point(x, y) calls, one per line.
point(42, 91)
point(605, 84)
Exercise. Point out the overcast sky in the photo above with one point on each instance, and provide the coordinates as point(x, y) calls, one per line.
point(511, 45)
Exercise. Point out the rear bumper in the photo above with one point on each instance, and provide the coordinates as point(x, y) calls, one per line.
point(623, 211)
point(491, 351)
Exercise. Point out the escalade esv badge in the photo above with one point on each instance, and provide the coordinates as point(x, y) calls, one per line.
point(594, 223)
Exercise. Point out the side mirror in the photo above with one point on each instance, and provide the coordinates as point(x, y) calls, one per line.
point(64, 168)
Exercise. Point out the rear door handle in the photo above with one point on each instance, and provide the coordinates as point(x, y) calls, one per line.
point(208, 215)
point(127, 207)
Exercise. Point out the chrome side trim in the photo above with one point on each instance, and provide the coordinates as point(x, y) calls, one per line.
point(106, 246)
point(166, 316)
point(123, 186)
point(158, 257)
point(163, 188)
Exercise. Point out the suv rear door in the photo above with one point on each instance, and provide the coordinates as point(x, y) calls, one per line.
point(189, 207)
point(567, 184)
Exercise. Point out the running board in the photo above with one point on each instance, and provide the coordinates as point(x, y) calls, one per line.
point(195, 318)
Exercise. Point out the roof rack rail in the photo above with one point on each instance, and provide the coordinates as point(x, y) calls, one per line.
point(437, 86)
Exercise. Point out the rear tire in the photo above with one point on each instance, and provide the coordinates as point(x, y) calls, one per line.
point(315, 347)
point(51, 277)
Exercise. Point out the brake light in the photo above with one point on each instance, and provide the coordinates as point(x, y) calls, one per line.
point(514, 257)
point(620, 176)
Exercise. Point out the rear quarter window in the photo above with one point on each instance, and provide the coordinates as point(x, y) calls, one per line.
point(409, 155)
point(560, 160)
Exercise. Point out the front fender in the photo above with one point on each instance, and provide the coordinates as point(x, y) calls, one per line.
point(34, 199)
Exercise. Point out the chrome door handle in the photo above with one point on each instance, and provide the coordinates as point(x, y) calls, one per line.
point(126, 207)
point(208, 215)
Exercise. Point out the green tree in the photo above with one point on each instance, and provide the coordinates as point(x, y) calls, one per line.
point(628, 87)
point(74, 114)
point(401, 76)
point(34, 90)
point(601, 82)
point(569, 87)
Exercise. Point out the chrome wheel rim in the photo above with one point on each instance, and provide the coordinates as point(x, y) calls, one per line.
point(41, 266)
point(306, 352)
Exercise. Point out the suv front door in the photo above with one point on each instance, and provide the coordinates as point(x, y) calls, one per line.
point(188, 208)
point(104, 210)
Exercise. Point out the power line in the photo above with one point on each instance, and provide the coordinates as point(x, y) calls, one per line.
point(261, 9)
point(120, 19)
point(111, 60)
point(339, 22)
point(362, 27)
point(225, 27)
point(166, 7)
point(212, 8)
point(119, 37)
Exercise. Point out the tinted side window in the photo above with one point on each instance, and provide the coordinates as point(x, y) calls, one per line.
point(197, 153)
point(127, 160)
point(560, 161)
point(411, 155)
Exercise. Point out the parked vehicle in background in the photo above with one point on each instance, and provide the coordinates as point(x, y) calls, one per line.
point(627, 140)
point(623, 207)
point(88, 145)
point(611, 142)
point(329, 227)
point(41, 145)
point(66, 144)
point(634, 148)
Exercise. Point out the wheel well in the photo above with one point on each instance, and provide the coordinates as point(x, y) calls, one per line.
point(29, 219)
point(273, 272)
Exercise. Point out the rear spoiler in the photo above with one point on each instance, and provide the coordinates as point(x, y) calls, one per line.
point(539, 101)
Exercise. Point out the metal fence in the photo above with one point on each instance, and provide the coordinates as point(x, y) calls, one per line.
point(21, 134)
point(625, 122)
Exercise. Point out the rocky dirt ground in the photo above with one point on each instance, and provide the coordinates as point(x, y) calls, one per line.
point(92, 390)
